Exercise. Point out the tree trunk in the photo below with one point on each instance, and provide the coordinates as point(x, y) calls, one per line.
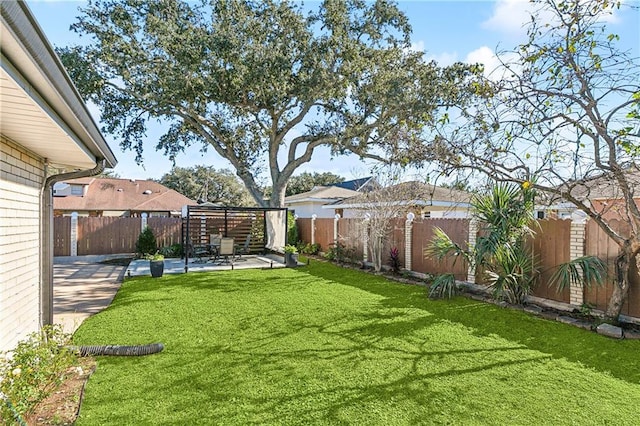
point(376, 253)
point(621, 284)
point(277, 196)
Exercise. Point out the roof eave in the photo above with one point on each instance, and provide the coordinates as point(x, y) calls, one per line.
point(28, 51)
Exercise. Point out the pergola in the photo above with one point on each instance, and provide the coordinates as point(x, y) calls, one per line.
point(264, 228)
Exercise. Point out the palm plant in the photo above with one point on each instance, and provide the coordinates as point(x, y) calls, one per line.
point(501, 251)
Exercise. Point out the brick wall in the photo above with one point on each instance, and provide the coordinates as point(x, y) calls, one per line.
point(21, 177)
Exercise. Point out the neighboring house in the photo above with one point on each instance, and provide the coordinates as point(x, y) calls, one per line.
point(422, 199)
point(46, 135)
point(117, 197)
point(306, 204)
point(602, 193)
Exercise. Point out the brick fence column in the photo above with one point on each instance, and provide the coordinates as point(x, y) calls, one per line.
point(74, 234)
point(473, 235)
point(336, 218)
point(313, 228)
point(408, 241)
point(365, 238)
point(576, 250)
point(143, 221)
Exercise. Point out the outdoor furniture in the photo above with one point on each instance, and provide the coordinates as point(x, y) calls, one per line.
point(244, 248)
point(199, 252)
point(227, 249)
point(214, 246)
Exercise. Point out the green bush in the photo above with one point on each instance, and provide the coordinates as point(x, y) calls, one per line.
point(32, 371)
point(340, 253)
point(292, 230)
point(146, 242)
point(174, 250)
point(309, 248)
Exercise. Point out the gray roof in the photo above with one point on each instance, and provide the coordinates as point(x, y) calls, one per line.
point(413, 192)
point(604, 186)
point(321, 193)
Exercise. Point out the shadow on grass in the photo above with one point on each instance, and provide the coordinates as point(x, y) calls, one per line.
point(285, 366)
point(559, 340)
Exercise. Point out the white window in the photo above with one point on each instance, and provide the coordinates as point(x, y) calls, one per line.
point(77, 190)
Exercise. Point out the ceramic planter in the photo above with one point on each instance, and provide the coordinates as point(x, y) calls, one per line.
point(157, 268)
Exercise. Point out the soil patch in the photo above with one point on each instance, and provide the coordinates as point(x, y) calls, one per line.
point(63, 405)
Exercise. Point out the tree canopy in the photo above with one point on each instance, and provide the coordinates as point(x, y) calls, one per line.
point(206, 184)
point(262, 83)
point(306, 181)
point(564, 118)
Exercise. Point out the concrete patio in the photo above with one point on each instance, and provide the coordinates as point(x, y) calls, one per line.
point(140, 267)
point(85, 285)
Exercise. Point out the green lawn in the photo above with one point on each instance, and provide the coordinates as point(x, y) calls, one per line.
point(324, 345)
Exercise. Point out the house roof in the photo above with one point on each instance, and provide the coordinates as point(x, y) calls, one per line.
point(321, 194)
point(413, 192)
point(122, 194)
point(355, 184)
point(605, 186)
point(40, 108)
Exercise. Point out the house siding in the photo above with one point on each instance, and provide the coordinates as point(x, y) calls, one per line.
point(21, 179)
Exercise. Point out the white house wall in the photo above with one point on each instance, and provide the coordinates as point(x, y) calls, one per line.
point(21, 177)
point(306, 210)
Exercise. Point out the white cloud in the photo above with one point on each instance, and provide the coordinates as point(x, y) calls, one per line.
point(444, 59)
point(417, 46)
point(493, 68)
point(509, 16)
point(485, 56)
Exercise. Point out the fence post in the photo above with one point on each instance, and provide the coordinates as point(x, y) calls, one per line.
point(473, 235)
point(143, 221)
point(576, 250)
point(408, 240)
point(336, 218)
point(365, 238)
point(313, 228)
point(74, 234)
point(203, 239)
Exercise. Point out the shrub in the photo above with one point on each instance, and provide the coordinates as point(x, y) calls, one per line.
point(146, 242)
point(443, 286)
point(292, 230)
point(338, 252)
point(309, 248)
point(33, 370)
point(394, 260)
point(290, 249)
point(174, 250)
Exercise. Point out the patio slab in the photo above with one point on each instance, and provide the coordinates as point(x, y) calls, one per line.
point(140, 267)
point(82, 287)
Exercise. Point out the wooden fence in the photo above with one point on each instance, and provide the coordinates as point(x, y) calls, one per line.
point(550, 248)
point(554, 243)
point(600, 244)
point(111, 235)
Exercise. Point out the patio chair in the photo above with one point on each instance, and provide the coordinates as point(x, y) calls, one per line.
point(214, 246)
point(198, 252)
point(244, 248)
point(227, 249)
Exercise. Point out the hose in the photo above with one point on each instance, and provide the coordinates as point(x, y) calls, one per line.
point(117, 350)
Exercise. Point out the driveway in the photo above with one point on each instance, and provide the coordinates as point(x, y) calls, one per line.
point(82, 286)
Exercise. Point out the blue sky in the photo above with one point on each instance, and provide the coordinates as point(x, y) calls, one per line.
point(447, 31)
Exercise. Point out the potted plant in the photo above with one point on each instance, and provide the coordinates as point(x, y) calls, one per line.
point(156, 264)
point(290, 256)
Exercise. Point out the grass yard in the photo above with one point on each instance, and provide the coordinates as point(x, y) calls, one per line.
point(324, 345)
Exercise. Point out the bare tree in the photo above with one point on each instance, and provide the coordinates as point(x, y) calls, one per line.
point(380, 209)
point(564, 118)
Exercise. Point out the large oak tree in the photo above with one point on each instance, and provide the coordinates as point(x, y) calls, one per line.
point(206, 184)
point(263, 83)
